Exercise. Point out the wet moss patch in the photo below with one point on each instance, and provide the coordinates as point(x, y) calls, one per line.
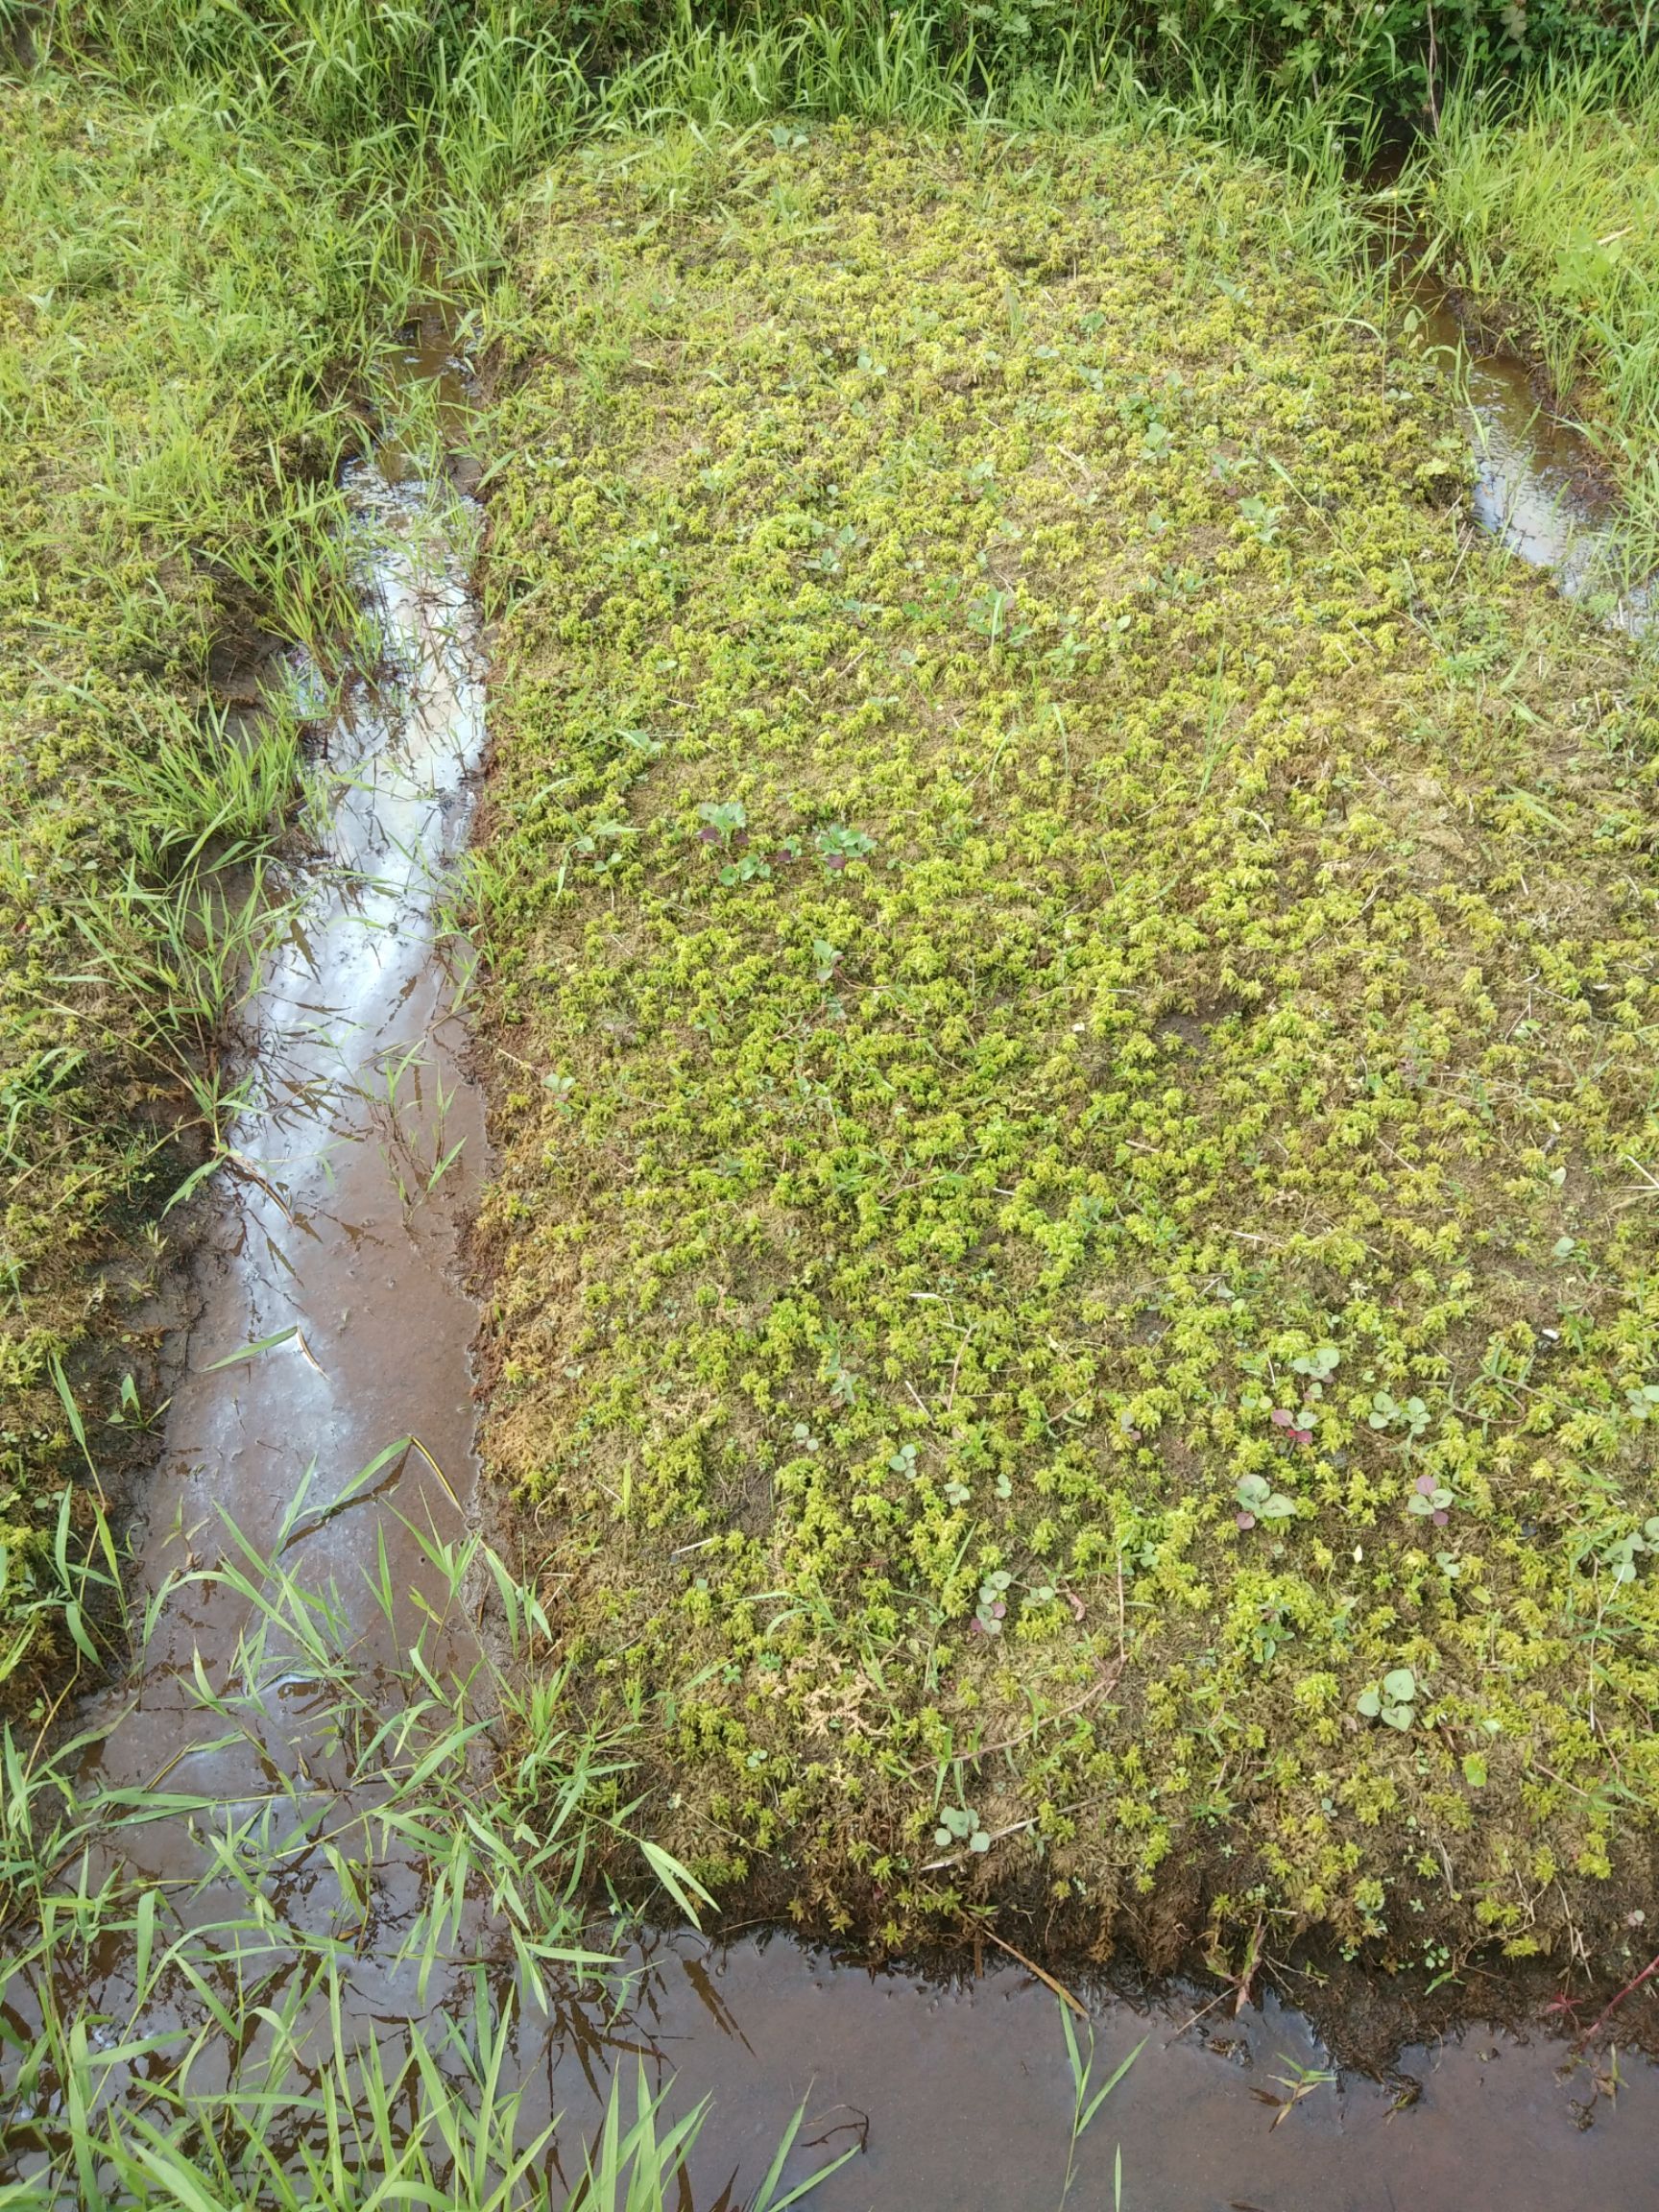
point(1071, 1009)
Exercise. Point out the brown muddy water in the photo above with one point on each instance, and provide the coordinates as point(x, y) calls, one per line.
point(336, 1240)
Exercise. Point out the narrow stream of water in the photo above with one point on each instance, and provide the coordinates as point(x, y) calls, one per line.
point(337, 1245)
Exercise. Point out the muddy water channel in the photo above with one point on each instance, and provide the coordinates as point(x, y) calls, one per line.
point(332, 1321)
point(1539, 485)
point(326, 1411)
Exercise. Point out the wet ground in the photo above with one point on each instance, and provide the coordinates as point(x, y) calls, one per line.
point(963, 2098)
point(1540, 487)
point(335, 1245)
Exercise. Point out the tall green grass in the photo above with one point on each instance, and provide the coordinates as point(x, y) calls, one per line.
point(489, 89)
point(348, 64)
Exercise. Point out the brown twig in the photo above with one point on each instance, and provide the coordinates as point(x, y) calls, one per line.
point(956, 1370)
point(1220, 1996)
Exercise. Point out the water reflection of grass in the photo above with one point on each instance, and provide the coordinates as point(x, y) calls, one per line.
point(322, 1984)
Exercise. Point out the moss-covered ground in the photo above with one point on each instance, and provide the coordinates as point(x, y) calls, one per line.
point(1071, 1003)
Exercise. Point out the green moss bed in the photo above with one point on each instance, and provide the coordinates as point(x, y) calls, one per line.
point(1070, 958)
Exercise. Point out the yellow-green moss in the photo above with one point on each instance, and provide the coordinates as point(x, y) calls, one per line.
point(1038, 876)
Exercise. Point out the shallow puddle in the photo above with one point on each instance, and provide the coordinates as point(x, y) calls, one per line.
point(1540, 486)
point(962, 2096)
point(335, 1244)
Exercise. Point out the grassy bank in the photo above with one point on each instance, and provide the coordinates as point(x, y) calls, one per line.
point(1071, 1003)
point(1544, 213)
point(193, 299)
point(208, 228)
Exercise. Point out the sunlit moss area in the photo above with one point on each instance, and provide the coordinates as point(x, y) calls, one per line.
point(1071, 997)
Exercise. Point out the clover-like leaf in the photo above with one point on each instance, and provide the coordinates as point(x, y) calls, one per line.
point(1318, 1366)
point(722, 819)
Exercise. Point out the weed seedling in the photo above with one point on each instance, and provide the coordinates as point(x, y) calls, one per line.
point(1387, 1413)
point(960, 1824)
point(1086, 2104)
point(1393, 1700)
point(1431, 1500)
point(1258, 1501)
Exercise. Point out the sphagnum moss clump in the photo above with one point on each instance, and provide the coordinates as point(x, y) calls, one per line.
point(1072, 995)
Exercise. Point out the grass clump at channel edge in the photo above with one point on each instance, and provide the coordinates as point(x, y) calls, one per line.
point(1071, 995)
point(1542, 207)
point(329, 1984)
point(192, 306)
